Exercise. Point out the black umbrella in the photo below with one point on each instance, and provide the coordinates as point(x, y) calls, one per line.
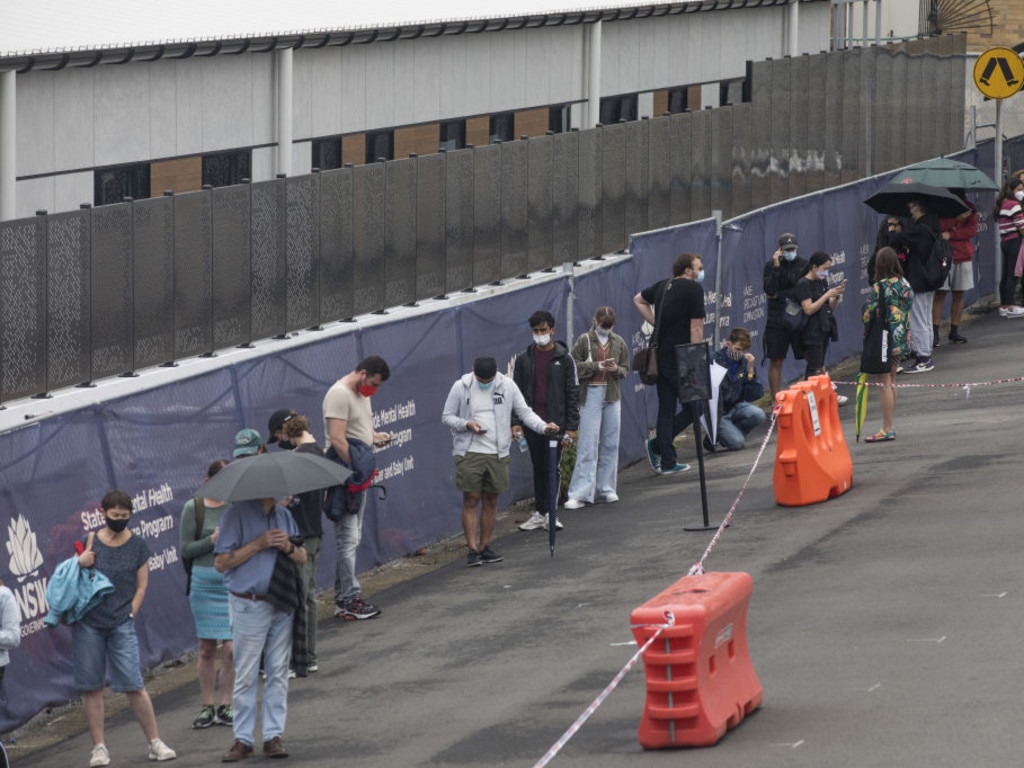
point(552, 491)
point(273, 476)
point(893, 198)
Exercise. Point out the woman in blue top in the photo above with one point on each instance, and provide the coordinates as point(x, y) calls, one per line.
point(106, 634)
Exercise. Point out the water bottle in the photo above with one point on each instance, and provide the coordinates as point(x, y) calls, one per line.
point(521, 442)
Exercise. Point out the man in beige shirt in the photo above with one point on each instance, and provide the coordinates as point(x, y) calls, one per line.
point(348, 414)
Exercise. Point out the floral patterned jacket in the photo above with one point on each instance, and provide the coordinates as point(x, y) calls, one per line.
point(898, 298)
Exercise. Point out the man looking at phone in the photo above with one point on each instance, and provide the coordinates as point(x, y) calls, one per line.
point(478, 411)
point(347, 413)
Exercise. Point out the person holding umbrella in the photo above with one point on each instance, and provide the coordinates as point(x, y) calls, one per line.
point(252, 534)
point(1010, 219)
point(916, 238)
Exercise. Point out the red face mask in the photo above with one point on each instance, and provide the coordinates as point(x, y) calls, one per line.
point(367, 390)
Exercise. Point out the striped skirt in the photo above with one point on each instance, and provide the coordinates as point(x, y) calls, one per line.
point(209, 601)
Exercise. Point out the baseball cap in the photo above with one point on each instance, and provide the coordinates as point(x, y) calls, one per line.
point(786, 239)
point(278, 419)
point(247, 442)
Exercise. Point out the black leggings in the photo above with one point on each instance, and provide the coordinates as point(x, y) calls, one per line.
point(1008, 285)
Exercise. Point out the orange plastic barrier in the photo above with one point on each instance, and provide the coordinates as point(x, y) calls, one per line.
point(812, 460)
point(700, 682)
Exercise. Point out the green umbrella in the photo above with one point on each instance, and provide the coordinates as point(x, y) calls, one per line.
point(946, 173)
point(861, 402)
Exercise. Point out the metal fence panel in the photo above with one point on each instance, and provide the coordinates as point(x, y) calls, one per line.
point(590, 207)
point(153, 282)
point(230, 269)
point(540, 204)
point(853, 108)
point(400, 233)
point(680, 167)
point(956, 78)
point(800, 115)
point(269, 270)
point(487, 214)
point(613, 187)
point(459, 185)
point(659, 171)
point(193, 297)
point(781, 107)
point(815, 149)
point(302, 253)
point(637, 163)
point(336, 245)
point(112, 311)
point(932, 129)
point(22, 308)
point(566, 196)
point(742, 129)
point(720, 138)
point(761, 135)
point(68, 299)
point(700, 165)
point(369, 206)
point(430, 199)
point(514, 182)
point(897, 128)
point(833, 123)
point(881, 147)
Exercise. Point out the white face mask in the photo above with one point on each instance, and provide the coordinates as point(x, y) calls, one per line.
point(603, 334)
point(542, 341)
point(1019, 194)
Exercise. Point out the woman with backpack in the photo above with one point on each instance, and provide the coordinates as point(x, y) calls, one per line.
point(208, 598)
point(892, 290)
point(1010, 219)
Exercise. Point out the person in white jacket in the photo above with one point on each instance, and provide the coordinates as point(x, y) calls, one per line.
point(10, 627)
point(479, 411)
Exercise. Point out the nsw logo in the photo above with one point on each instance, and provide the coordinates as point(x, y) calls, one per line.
point(23, 549)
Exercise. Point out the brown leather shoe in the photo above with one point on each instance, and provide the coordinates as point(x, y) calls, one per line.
point(239, 751)
point(274, 748)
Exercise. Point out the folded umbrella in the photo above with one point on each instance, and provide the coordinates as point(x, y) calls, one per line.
point(894, 197)
point(273, 476)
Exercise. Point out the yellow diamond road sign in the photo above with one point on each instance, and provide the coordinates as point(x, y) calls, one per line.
point(999, 73)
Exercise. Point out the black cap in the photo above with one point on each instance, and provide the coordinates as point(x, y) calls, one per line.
point(787, 238)
point(278, 419)
point(485, 367)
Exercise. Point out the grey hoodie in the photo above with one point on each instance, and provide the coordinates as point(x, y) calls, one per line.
point(507, 398)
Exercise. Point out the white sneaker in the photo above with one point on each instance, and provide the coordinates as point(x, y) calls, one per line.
point(558, 523)
point(575, 504)
point(99, 756)
point(535, 521)
point(1013, 312)
point(842, 399)
point(608, 498)
point(159, 751)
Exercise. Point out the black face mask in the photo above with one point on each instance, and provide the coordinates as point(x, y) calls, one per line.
point(117, 525)
point(285, 445)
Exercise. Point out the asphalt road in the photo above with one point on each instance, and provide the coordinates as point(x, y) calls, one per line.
point(884, 626)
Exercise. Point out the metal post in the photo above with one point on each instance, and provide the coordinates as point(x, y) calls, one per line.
point(794, 28)
point(8, 121)
point(1000, 178)
point(867, 127)
point(284, 111)
point(878, 22)
point(594, 76)
point(864, 25)
point(570, 302)
point(717, 216)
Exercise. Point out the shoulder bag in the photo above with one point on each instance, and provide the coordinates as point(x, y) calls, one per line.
point(875, 358)
point(645, 361)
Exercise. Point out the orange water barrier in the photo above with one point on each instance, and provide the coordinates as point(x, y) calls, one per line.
point(812, 460)
point(700, 681)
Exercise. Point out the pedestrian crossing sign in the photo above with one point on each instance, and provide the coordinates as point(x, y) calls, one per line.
point(999, 73)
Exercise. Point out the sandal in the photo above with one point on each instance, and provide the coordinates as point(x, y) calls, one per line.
point(881, 437)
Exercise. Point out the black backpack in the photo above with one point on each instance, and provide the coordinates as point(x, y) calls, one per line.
point(938, 262)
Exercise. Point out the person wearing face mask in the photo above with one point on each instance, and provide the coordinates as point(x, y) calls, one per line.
point(478, 411)
point(679, 302)
point(737, 393)
point(546, 375)
point(819, 303)
point(275, 426)
point(105, 636)
point(1010, 218)
point(347, 413)
point(602, 359)
point(781, 274)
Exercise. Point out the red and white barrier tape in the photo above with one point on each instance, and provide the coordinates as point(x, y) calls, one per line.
point(698, 568)
point(966, 386)
point(670, 620)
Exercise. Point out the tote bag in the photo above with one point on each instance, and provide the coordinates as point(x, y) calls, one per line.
point(875, 358)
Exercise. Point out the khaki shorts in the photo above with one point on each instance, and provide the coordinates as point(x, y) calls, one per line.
point(961, 277)
point(476, 472)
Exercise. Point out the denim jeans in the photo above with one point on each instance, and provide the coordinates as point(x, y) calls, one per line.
point(737, 423)
point(92, 649)
point(597, 450)
point(257, 628)
point(921, 336)
point(348, 532)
